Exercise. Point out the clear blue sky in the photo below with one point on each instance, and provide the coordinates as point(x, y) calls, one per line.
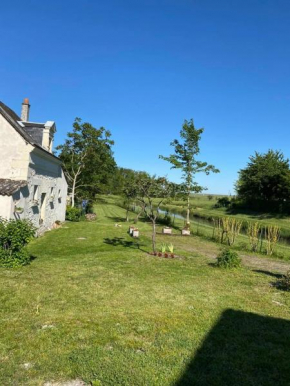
point(141, 67)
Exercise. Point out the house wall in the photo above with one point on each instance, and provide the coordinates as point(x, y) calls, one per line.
point(5, 206)
point(14, 152)
point(22, 161)
point(46, 174)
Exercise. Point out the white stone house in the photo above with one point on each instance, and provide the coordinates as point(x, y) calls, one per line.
point(32, 182)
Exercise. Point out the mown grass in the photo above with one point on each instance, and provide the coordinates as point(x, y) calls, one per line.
point(102, 309)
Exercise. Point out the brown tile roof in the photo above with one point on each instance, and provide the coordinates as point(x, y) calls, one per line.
point(8, 187)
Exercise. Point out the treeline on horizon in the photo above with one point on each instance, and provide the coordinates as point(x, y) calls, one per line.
point(90, 168)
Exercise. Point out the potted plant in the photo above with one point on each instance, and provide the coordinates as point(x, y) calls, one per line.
point(163, 249)
point(167, 230)
point(135, 232)
point(18, 209)
point(186, 230)
point(171, 249)
point(35, 202)
point(52, 197)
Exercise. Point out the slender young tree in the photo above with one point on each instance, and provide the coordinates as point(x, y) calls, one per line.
point(130, 194)
point(185, 152)
point(151, 193)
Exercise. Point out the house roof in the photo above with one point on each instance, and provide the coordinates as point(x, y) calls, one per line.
point(9, 187)
point(23, 128)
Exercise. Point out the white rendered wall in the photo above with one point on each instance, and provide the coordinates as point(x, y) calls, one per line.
point(14, 152)
point(5, 207)
point(46, 173)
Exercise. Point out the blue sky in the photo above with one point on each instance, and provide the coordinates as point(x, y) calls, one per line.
point(139, 68)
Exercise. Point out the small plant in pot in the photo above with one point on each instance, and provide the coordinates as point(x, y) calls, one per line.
point(163, 249)
point(171, 250)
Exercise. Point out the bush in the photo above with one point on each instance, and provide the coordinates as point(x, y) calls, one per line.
point(73, 213)
point(284, 282)
point(223, 202)
point(10, 259)
point(14, 236)
point(90, 208)
point(166, 220)
point(228, 259)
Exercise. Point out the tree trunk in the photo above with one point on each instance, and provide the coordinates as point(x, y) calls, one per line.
point(153, 236)
point(127, 215)
point(73, 193)
point(188, 208)
point(138, 215)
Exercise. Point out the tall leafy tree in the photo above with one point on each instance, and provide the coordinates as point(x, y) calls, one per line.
point(265, 179)
point(87, 159)
point(185, 152)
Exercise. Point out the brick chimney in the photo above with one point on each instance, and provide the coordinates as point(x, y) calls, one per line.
point(25, 110)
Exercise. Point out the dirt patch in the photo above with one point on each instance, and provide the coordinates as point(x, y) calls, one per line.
point(75, 382)
point(255, 262)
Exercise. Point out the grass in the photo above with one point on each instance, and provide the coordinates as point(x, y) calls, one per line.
point(103, 310)
point(203, 211)
point(204, 208)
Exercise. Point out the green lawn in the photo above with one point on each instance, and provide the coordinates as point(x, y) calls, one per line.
point(103, 310)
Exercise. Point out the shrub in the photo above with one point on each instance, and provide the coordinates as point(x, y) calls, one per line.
point(284, 282)
point(90, 208)
point(166, 220)
point(223, 202)
point(73, 213)
point(14, 236)
point(10, 259)
point(228, 259)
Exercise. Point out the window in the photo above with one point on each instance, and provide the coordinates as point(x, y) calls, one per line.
point(52, 191)
point(35, 193)
point(42, 208)
point(59, 195)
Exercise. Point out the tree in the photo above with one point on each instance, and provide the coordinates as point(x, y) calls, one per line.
point(130, 194)
point(129, 190)
point(87, 159)
point(184, 158)
point(151, 193)
point(265, 180)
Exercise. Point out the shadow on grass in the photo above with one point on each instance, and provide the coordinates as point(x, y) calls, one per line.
point(117, 219)
point(121, 242)
point(277, 275)
point(242, 349)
